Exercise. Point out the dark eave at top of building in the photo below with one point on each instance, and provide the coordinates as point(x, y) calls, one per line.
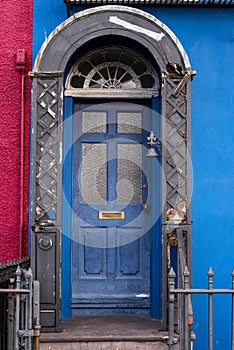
point(186, 3)
point(164, 3)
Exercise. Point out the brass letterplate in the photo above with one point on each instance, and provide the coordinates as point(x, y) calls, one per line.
point(111, 215)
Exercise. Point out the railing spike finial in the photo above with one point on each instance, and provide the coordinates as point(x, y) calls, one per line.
point(18, 271)
point(210, 275)
point(186, 271)
point(29, 272)
point(171, 273)
point(210, 272)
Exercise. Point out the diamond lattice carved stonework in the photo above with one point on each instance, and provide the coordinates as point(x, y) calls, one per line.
point(47, 150)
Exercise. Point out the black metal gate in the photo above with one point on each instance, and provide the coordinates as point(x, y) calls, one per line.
point(19, 307)
point(180, 327)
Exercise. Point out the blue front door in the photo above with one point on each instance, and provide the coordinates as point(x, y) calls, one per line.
point(111, 229)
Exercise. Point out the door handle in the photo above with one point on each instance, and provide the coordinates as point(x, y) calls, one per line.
point(146, 207)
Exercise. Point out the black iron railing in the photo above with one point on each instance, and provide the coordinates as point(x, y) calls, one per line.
point(7, 275)
point(19, 307)
point(185, 337)
point(8, 268)
point(178, 260)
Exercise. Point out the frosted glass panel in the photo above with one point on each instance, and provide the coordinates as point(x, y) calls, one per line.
point(94, 172)
point(94, 122)
point(129, 173)
point(129, 123)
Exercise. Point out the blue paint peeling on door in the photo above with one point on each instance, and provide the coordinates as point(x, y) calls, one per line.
point(111, 259)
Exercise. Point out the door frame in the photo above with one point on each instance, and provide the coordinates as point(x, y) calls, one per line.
point(47, 134)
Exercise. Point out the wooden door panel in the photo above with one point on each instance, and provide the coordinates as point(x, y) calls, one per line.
point(110, 258)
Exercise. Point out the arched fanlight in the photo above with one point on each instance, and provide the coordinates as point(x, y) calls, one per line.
point(112, 68)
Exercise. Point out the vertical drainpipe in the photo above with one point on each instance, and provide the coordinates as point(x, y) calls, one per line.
point(20, 67)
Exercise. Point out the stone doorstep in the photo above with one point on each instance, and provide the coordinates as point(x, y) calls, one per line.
point(107, 333)
point(109, 345)
point(107, 328)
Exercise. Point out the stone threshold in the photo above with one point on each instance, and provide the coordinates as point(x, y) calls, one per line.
point(107, 328)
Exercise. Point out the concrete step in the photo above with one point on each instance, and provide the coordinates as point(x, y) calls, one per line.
point(108, 345)
point(107, 333)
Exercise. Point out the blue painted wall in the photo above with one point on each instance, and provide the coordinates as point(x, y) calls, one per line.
point(207, 35)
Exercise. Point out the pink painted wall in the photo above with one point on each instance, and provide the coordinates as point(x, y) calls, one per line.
point(15, 33)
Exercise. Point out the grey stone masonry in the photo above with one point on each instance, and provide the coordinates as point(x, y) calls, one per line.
point(106, 345)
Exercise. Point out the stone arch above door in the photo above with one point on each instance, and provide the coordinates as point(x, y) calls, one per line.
point(47, 133)
point(108, 20)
